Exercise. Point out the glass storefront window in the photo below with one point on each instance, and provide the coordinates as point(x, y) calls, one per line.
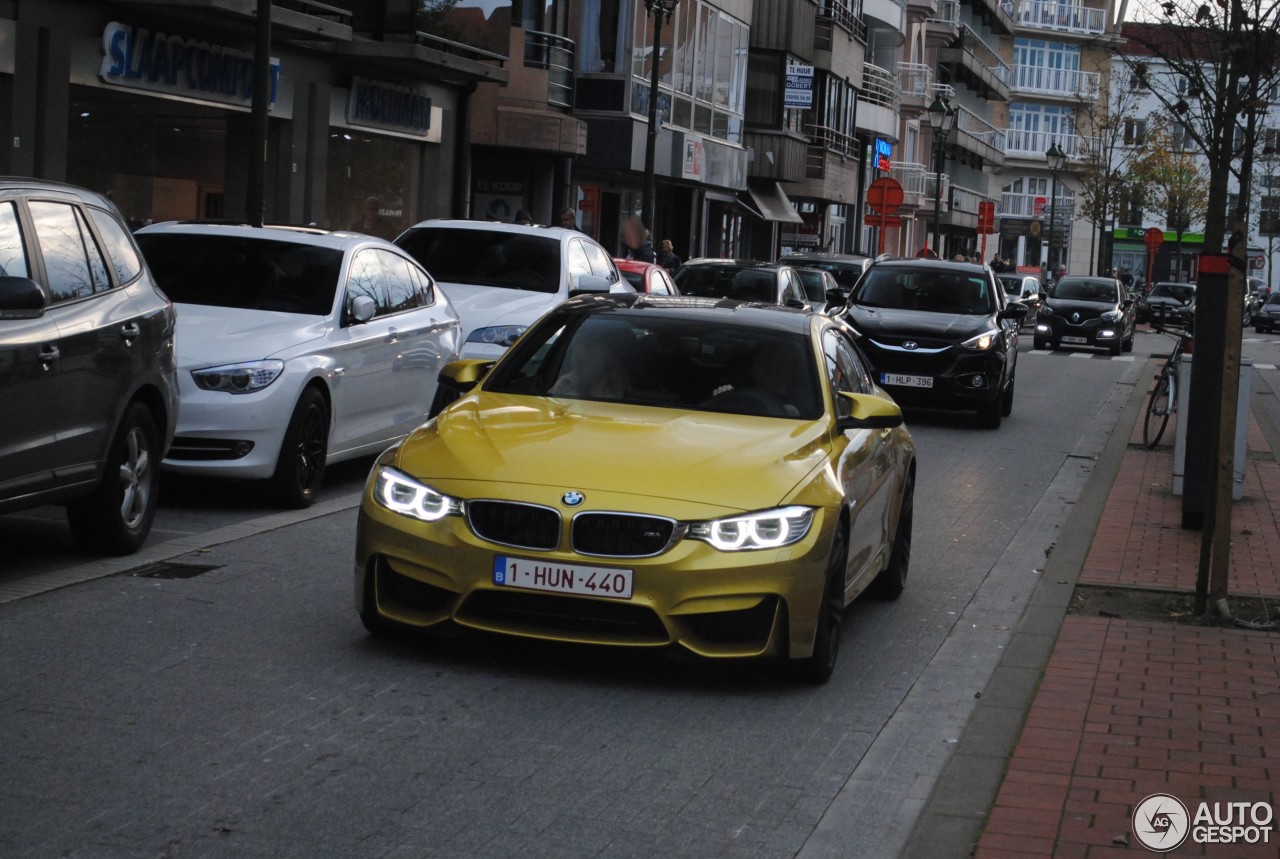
point(601, 29)
point(372, 183)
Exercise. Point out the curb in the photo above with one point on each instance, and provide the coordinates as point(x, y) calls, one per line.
point(101, 568)
point(953, 817)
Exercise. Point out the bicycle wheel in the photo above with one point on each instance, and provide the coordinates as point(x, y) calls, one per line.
point(1159, 406)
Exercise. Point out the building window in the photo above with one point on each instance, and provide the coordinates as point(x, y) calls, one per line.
point(1035, 127)
point(602, 29)
point(1135, 132)
point(1269, 215)
point(1130, 208)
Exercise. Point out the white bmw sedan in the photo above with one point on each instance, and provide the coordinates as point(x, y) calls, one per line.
point(503, 277)
point(295, 348)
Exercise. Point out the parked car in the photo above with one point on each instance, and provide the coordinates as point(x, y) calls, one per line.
point(647, 277)
point(501, 278)
point(297, 348)
point(821, 289)
point(1086, 311)
point(87, 380)
point(1267, 317)
point(1256, 294)
point(785, 487)
point(1168, 300)
point(1024, 289)
point(939, 334)
point(742, 280)
point(845, 268)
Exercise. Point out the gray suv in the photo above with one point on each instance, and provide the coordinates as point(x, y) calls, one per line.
point(87, 387)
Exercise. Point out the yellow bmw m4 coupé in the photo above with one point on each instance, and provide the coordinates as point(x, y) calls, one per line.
point(649, 471)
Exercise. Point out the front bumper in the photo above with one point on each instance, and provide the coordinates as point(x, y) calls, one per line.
point(215, 428)
point(692, 596)
point(962, 378)
point(1095, 332)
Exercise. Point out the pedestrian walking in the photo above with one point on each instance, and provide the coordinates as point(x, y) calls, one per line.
point(667, 257)
point(568, 218)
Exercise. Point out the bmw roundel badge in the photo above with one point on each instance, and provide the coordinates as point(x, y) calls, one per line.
point(572, 498)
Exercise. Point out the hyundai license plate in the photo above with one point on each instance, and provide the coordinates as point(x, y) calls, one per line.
point(562, 578)
point(906, 381)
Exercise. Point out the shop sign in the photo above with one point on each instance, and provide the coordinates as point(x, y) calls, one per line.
point(799, 86)
point(389, 107)
point(884, 155)
point(140, 59)
point(691, 165)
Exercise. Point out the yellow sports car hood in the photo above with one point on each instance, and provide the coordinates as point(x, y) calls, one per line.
point(732, 461)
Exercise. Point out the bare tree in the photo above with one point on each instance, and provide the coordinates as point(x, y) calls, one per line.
point(1105, 160)
point(1173, 178)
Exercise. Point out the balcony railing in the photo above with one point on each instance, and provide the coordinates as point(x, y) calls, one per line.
point(966, 200)
point(329, 11)
point(916, 79)
point(448, 46)
point(911, 177)
point(555, 54)
point(948, 13)
point(879, 86)
point(1034, 144)
point(824, 141)
point(1062, 17)
point(845, 14)
point(1069, 83)
point(968, 122)
point(1024, 205)
point(931, 189)
point(984, 53)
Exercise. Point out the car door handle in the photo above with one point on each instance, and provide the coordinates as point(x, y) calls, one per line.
point(48, 354)
point(393, 336)
point(130, 331)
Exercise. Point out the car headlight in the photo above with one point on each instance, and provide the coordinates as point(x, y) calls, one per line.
point(983, 341)
point(245, 378)
point(767, 529)
point(1045, 310)
point(497, 335)
point(1112, 316)
point(400, 493)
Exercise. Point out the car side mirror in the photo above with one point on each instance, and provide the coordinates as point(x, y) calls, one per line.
point(1128, 302)
point(868, 411)
point(21, 298)
point(795, 302)
point(1015, 311)
point(1043, 296)
point(835, 297)
point(363, 308)
point(464, 374)
point(580, 284)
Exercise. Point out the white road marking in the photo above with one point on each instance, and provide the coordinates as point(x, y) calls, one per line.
point(1082, 355)
point(1264, 366)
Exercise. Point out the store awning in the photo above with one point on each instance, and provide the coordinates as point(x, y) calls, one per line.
point(772, 202)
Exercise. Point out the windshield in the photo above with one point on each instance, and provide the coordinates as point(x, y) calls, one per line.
point(815, 285)
point(931, 289)
point(845, 273)
point(728, 281)
point(1182, 292)
point(1274, 299)
point(1012, 285)
point(648, 359)
point(1086, 289)
point(243, 272)
point(486, 257)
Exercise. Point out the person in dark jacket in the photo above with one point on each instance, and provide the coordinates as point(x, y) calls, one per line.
point(667, 257)
point(635, 235)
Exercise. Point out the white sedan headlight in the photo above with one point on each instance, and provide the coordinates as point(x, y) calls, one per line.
point(400, 493)
point(983, 341)
point(246, 378)
point(497, 335)
point(767, 529)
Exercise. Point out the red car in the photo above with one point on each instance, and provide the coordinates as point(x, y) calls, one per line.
point(647, 277)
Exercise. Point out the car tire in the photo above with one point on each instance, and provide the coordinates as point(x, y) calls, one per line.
point(117, 517)
point(1006, 400)
point(300, 466)
point(892, 580)
point(1258, 329)
point(991, 413)
point(817, 667)
point(1127, 345)
point(1115, 348)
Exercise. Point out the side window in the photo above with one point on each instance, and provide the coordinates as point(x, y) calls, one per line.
point(426, 287)
point(365, 278)
point(793, 290)
point(13, 255)
point(659, 282)
point(72, 260)
point(601, 265)
point(855, 366)
point(124, 256)
point(399, 286)
point(578, 262)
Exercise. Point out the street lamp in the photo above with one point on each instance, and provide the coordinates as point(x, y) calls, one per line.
point(660, 10)
point(941, 117)
point(1056, 158)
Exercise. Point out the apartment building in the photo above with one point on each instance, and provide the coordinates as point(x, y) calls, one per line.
point(1177, 259)
point(1060, 57)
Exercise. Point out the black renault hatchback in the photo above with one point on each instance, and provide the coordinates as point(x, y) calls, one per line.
point(1086, 311)
point(939, 334)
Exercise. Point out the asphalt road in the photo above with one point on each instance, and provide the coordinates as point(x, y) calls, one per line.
point(243, 711)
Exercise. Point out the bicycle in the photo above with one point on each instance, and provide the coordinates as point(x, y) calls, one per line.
point(1163, 399)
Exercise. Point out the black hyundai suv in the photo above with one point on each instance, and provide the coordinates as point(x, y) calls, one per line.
point(940, 335)
point(87, 387)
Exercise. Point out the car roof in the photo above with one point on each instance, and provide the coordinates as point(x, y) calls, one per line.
point(634, 265)
point(335, 239)
point(771, 316)
point(28, 184)
point(939, 264)
point(736, 263)
point(827, 256)
point(498, 227)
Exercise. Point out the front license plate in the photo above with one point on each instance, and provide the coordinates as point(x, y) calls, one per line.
point(1077, 340)
point(562, 578)
point(906, 381)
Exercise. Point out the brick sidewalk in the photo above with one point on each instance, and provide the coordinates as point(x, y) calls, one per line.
point(1131, 708)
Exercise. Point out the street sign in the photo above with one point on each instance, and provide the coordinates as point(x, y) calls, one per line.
point(1153, 238)
point(885, 195)
point(882, 221)
point(1038, 204)
point(986, 217)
